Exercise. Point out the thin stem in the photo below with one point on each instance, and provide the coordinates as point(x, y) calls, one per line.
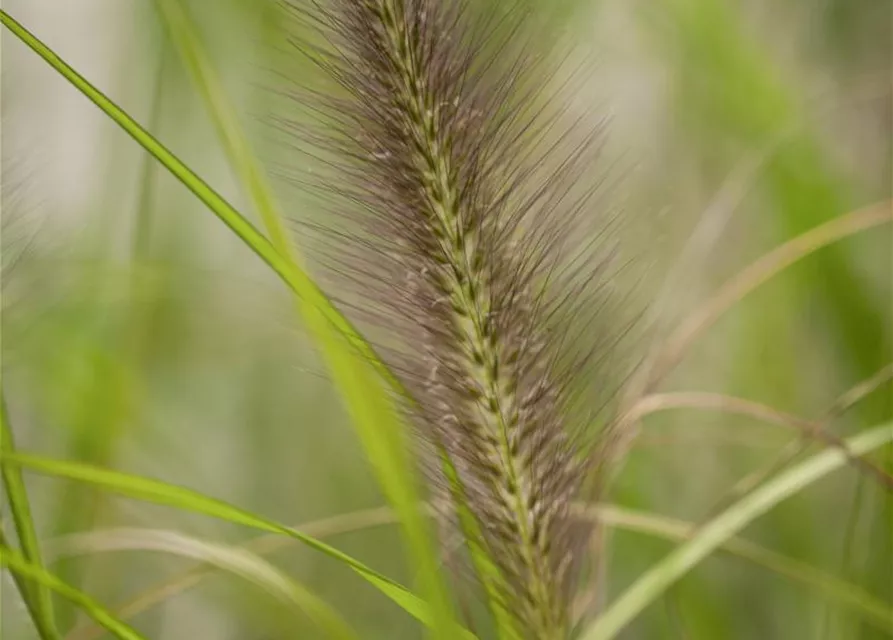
point(377, 423)
point(841, 592)
point(612, 516)
point(20, 565)
point(36, 595)
point(810, 429)
point(758, 273)
point(795, 447)
point(621, 432)
point(711, 536)
point(295, 278)
point(655, 369)
point(261, 545)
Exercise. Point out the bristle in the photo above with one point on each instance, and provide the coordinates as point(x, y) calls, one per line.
point(468, 195)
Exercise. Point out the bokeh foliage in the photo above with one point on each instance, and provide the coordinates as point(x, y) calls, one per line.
point(139, 335)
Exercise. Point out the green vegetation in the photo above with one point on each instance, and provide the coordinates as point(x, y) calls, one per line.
point(165, 397)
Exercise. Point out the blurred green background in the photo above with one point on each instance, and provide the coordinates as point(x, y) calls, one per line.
point(138, 333)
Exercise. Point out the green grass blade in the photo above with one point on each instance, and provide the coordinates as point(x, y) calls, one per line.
point(187, 42)
point(377, 422)
point(262, 545)
point(236, 560)
point(870, 608)
point(352, 362)
point(36, 595)
point(218, 205)
point(22, 584)
point(712, 535)
point(19, 565)
point(158, 492)
point(488, 573)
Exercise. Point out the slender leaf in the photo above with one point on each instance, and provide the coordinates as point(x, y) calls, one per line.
point(760, 272)
point(261, 546)
point(158, 492)
point(236, 560)
point(843, 593)
point(352, 362)
point(712, 535)
point(36, 595)
point(838, 591)
point(489, 574)
point(377, 421)
point(36, 573)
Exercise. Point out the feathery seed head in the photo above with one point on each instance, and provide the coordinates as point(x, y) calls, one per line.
point(443, 150)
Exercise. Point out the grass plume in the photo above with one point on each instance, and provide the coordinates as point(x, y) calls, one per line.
point(440, 149)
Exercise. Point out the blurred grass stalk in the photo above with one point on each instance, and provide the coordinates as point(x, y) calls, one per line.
point(874, 611)
point(372, 409)
point(369, 403)
point(729, 96)
point(733, 101)
point(35, 595)
point(714, 533)
point(36, 575)
point(106, 366)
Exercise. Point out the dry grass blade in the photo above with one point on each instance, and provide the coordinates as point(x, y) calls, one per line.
point(759, 272)
point(692, 256)
point(655, 369)
point(796, 447)
point(262, 545)
point(810, 429)
point(622, 430)
point(722, 206)
point(813, 430)
point(611, 516)
point(239, 561)
point(858, 392)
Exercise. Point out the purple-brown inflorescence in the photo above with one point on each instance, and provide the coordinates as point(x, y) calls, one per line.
point(467, 195)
